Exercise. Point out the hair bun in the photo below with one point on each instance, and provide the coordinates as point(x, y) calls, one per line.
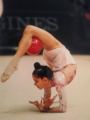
point(37, 66)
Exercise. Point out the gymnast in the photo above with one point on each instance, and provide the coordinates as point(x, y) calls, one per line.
point(59, 72)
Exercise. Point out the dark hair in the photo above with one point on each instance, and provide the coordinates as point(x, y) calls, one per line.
point(42, 71)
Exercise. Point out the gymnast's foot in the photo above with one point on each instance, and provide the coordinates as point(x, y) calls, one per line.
point(12, 66)
point(4, 77)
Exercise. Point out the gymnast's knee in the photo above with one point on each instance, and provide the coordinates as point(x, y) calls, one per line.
point(27, 36)
point(28, 30)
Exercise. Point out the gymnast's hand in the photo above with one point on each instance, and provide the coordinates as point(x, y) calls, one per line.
point(48, 102)
point(38, 105)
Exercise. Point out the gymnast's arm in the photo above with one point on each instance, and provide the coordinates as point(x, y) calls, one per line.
point(62, 108)
point(60, 87)
point(59, 109)
point(47, 92)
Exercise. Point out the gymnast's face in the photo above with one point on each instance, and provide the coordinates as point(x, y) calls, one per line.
point(39, 82)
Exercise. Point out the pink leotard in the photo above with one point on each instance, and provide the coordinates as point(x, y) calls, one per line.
point(58, 58)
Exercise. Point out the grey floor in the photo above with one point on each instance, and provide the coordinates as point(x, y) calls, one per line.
point(19, 89)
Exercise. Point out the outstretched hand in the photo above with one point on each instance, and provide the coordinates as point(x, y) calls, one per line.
point(48, 102)
point(37, 104)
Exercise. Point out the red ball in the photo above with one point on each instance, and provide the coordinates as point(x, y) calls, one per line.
point(36, 47)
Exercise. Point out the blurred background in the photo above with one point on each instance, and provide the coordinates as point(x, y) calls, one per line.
point(67, 20)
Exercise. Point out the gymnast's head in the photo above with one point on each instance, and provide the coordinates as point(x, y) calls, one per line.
point(42, 76)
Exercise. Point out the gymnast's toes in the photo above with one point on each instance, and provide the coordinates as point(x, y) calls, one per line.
point(4, 77)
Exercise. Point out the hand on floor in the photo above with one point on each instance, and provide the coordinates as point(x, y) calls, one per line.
point(48, 102)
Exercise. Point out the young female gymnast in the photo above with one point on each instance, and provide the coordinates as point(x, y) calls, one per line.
point(59, 60)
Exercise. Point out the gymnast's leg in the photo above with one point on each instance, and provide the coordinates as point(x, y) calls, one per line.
point(23, 46)
point(25, 43)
